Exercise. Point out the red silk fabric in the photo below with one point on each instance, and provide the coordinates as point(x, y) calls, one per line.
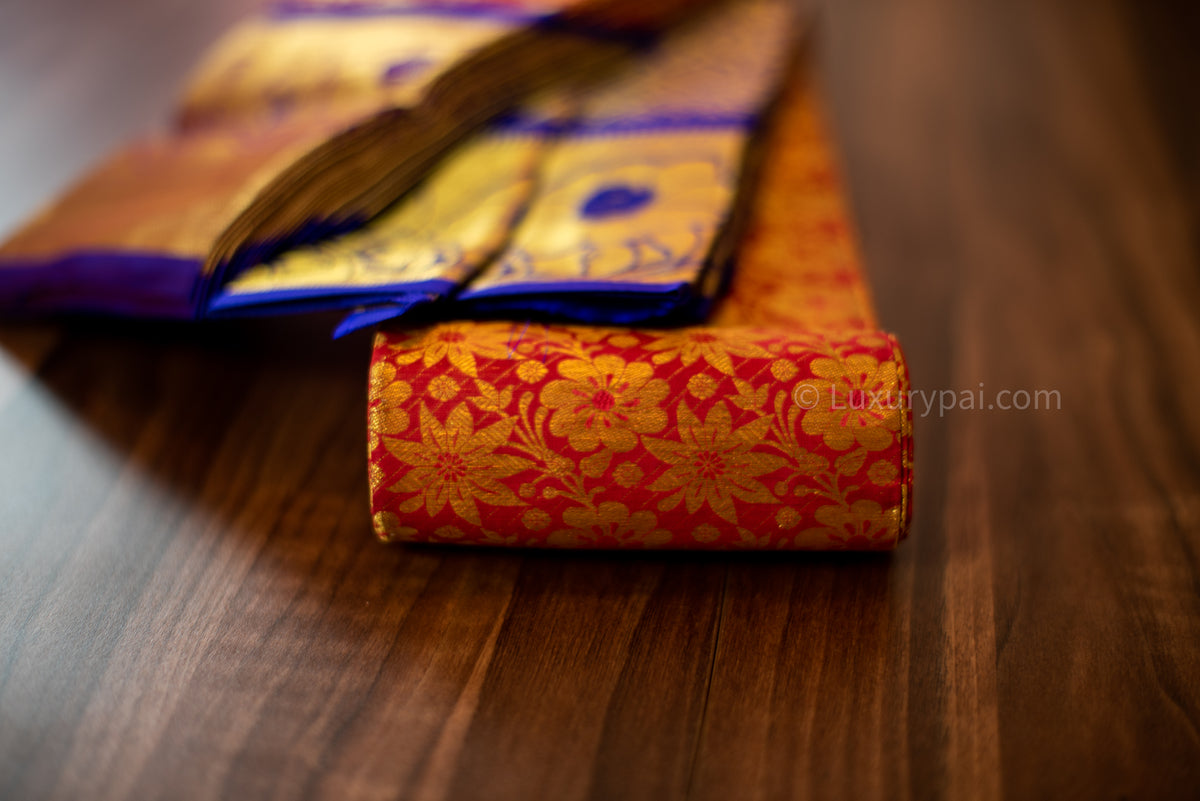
point(500, 434)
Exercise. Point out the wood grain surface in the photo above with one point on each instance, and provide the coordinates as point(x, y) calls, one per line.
point(192, 606)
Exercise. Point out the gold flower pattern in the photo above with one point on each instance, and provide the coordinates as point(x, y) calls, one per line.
point(858, 400)
point(605, 401)
point(712, 463)
point(455, 464)
point(860, 524)
point(619, 438)
point(718, 348)
point(611, 521)
point(458, 343)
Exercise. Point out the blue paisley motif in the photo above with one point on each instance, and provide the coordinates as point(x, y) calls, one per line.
point(616, 199)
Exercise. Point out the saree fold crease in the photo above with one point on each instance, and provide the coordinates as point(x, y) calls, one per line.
point(782, 423)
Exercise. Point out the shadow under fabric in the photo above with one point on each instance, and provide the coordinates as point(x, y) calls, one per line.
point(781, 424)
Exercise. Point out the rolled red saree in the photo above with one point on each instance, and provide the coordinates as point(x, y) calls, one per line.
point(782, 424)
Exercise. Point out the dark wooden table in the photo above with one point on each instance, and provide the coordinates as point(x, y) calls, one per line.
point(191, 603)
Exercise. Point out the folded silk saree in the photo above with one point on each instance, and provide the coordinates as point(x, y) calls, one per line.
point(569, 187)
point(301, 124)
point(617, 202)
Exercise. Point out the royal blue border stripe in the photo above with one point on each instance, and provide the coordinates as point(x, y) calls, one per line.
point(298, 9)
point(571, 288)
point(330, 297)
point(366, 317)
point(650, 123)
point(114, 281)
